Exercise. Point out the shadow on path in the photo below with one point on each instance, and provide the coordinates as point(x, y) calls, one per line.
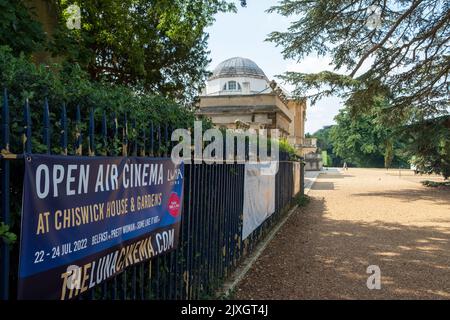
point(437, 196)
point(315, 257)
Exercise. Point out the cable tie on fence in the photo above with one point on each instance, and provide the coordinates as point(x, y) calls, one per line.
point(7, 155)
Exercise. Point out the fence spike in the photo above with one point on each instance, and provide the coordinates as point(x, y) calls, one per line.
point(159, 140)
point(46, 131)
point(64, 129)
point(125, 136)
point(166, 140)
point(115, 125)
point(115, 130)
point(152, 139)
point(91, 133)
point(26, 127)
point(78, 134)
point(105, 133)
point(144, 142)
point(135, 137)
point(5, 121)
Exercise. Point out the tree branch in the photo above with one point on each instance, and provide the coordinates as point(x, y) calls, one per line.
point(386, 37)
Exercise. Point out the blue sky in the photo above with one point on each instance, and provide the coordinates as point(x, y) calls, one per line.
point(243, 33)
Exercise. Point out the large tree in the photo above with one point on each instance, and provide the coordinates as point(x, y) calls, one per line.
point(19, 28)
point(364, 141)
point(429, 144)
point(154, 46)
point(404, 44)
point(325, 143)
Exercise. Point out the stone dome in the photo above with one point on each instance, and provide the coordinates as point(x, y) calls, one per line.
point(238, 67)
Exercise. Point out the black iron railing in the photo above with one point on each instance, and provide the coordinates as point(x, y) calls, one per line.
point(211, 246)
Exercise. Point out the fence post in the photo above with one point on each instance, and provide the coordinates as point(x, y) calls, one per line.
point(5, 214)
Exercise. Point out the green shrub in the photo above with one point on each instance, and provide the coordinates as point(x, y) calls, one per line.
point(289, 149)
point(70, 85)
point(302, 200)
point(5, 235)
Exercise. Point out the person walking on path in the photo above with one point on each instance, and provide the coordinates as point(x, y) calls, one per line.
point(345, 166)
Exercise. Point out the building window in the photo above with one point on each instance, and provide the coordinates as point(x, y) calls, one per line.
point(232, 86)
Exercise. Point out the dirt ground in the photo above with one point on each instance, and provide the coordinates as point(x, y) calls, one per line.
point(355, 219)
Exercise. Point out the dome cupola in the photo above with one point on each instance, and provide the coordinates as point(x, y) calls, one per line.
point(238, 67)
point(237, 76)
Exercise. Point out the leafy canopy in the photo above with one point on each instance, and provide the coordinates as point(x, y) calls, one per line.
point(72, 87)
point(406, 44)
point(19, 28)
point(155, 45)
point(365, 142)
point(429, 144)
point(324, 143)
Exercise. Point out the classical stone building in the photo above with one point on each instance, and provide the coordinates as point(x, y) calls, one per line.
point(239, 95)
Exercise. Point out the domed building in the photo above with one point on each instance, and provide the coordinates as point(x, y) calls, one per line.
point(237, 76)
point(239, 95)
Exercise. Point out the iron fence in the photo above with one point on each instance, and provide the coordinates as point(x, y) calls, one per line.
point(210, 246)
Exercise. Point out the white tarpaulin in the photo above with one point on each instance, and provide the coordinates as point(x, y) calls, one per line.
point(259, 195)
point(296, 175)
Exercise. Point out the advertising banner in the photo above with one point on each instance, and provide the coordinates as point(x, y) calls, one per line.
point(86, 219)
point(259, 195)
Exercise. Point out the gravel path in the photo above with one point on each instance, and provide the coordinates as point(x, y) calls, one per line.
point(359, 218)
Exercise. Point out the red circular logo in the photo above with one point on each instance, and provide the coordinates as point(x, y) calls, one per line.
point(174, 205)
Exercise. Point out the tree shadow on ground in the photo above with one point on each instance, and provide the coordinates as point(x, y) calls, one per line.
point(437, 196)
point(323, 185)
point(336, 176)
point(314, 257)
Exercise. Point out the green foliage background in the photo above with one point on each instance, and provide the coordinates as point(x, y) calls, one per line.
point(24, 80)
point(364, 141)
point(404, 59)
point(72, 86)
